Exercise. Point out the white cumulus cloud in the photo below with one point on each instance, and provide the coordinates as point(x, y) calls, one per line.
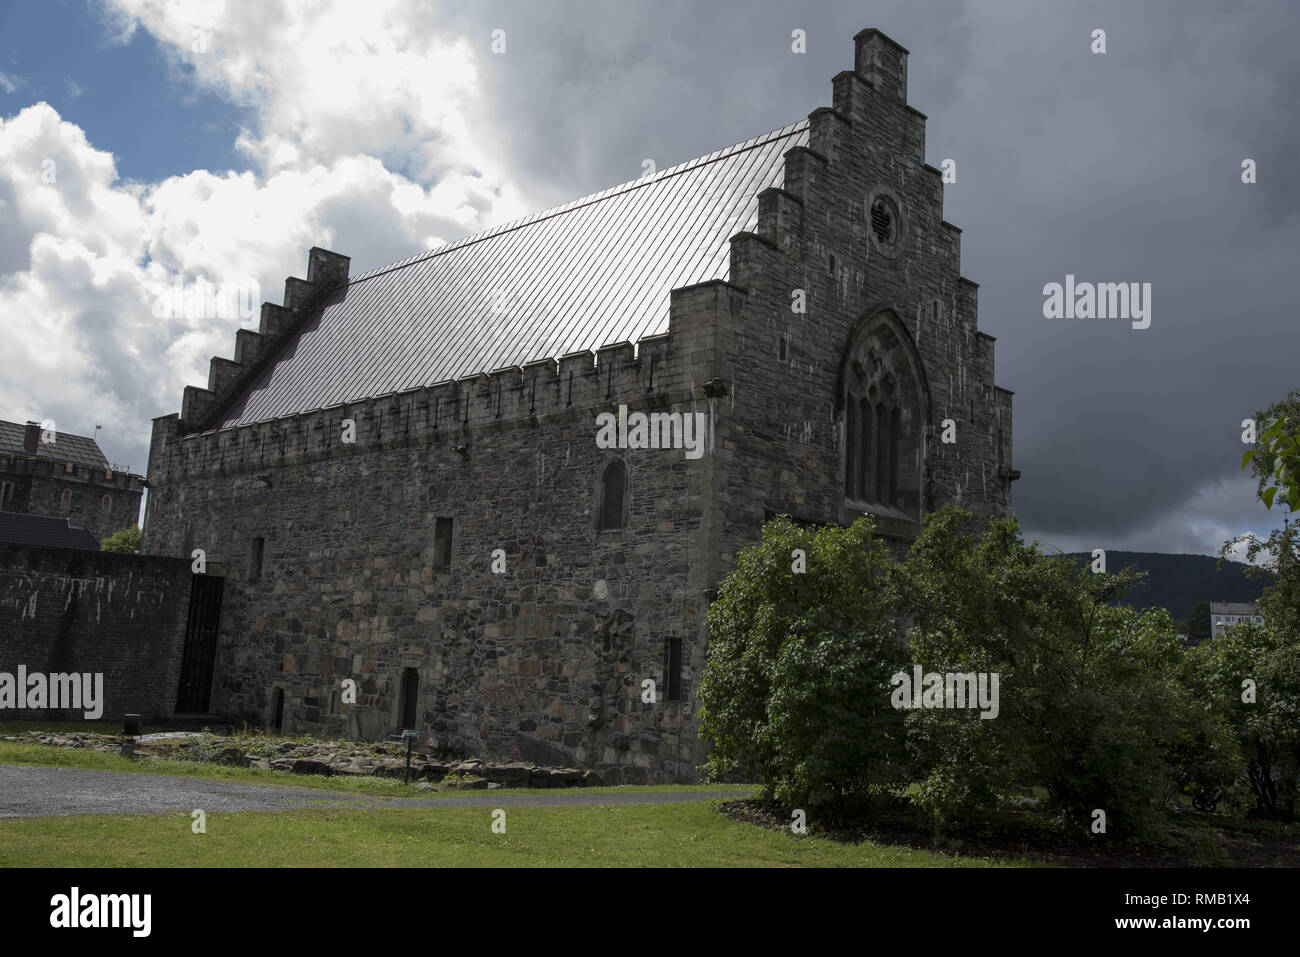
point(368, 137)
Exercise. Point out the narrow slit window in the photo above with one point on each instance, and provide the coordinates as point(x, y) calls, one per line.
point(613, 486)
point(410, 698)
point(673, 671)
point(442, 529)
point(255, 554)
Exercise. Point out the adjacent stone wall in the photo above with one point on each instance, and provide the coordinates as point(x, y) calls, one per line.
point(39, 485)
point(71, 610)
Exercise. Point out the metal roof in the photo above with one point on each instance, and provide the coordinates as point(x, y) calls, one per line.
point(77, 449)
point(595, 271)
point(17, 528)
point(1231, 608)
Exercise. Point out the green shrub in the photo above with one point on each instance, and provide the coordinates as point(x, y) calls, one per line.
point(126, 540)
point(795, 689)
point(1265, 718)
point(1090, 700)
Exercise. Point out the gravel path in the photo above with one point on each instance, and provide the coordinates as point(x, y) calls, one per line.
point(28, 791)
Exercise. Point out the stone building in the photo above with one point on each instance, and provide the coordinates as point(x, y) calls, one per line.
point(401, 474)
point(59, 475)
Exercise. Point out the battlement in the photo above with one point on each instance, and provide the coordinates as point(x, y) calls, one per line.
point(654, 372)
point(70, 472)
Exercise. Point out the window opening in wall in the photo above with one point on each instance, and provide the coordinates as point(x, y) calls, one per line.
point(881, 443)
point(255, 553)
point(65, 498)
point(613, 485)
point(106, 502)
point(410, 697)
point(884, 221)
point(442, 528)
point(277, 721)
point(673, 670)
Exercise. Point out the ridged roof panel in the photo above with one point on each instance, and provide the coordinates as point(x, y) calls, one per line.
point(595, 271)
point(77, 449)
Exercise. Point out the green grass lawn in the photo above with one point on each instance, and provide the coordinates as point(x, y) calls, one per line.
point(656, 835)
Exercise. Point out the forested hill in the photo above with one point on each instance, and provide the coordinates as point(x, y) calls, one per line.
point(1177, 582)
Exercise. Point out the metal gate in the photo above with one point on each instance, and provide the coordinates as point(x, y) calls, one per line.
point(200, 644)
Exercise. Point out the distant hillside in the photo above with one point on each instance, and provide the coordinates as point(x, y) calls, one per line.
point(1177, 582)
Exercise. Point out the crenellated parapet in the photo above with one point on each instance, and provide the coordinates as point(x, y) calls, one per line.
point(69, 472)
point(655, 372)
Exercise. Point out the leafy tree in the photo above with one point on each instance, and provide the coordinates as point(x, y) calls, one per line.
point(126, 540)
point(1197, 625)
point(1090, 702)
point(795, 689)
point(1276, 456)
point(1275, 461)
point(1250, 677)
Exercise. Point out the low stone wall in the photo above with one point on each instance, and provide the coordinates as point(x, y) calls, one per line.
point(72, 611)
point(327, 758)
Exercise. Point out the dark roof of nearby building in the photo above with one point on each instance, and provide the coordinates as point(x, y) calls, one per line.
point(590, 273)
point(1231, 608)
point(17, 528)
point(77, 449)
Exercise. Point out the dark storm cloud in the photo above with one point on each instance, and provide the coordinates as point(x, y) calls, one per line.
point(1123, 166)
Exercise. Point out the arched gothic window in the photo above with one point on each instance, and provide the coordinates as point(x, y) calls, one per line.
point(883, 412)
point(873, 420)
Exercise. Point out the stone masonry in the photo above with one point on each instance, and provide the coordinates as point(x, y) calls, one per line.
point(333, 570)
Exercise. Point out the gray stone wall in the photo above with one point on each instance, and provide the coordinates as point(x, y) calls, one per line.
point(782, 446)
point(531, 663)
point(71, 610)
point(540, 662)
point(39, 485)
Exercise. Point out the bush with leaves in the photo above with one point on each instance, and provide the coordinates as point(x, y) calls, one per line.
point(1275, 459)
point(127, 540)
point(795, 689)
point(1275, 462)
point(1250, 676)
point(1090, 703)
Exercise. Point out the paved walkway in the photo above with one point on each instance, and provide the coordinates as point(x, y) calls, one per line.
point(28, 791)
